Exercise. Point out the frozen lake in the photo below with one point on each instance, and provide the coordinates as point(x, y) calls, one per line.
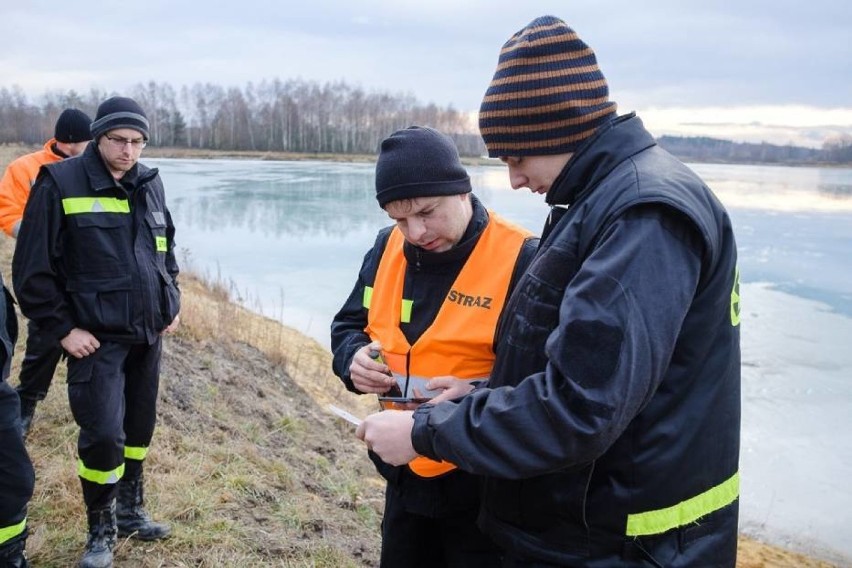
point(291, 236)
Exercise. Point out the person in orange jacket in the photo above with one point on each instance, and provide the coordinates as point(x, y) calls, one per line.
point(71, 136)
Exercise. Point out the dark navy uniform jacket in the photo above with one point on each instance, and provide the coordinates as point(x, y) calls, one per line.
point(96, 253)
point(610, 432)
point(17, 477)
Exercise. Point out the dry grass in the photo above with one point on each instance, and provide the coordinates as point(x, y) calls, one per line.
point(209, 312)
point(245, 464)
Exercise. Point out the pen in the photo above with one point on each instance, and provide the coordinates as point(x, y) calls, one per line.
point(349, 417)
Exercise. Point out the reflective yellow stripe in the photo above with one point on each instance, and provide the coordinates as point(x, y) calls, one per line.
point(405, 309)
point(162, 244)
point(135, 453)
point(8, 533)
point(405, 316)
point(76, 205)
point(100, 477)
point(735, 299)
point(685, 512)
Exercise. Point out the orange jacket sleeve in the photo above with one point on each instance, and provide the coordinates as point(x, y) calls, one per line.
point(16, 183)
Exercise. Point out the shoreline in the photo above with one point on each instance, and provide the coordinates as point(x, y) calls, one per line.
point(207, 154)
point(178, 153)
point(203, 154)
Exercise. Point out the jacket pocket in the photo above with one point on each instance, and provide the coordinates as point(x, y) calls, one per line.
point(170, 305)
point(99, 242)
point(80, 398)
point(100, 220)
point(102, 303)
point(534, 313)
point(551, 508)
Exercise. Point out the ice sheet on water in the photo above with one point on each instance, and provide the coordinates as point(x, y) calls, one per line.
point(796, 458)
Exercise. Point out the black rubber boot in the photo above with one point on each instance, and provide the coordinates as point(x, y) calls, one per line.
point(98, 553)
point(12, 555)
point(133, 519)
point(28, 406)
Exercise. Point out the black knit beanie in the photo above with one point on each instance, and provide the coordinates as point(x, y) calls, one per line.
point(72, 126)
point(547, 96)
point(119, 112)
point(418, 162)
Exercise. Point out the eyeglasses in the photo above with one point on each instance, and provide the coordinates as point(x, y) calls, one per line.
point(120, 143)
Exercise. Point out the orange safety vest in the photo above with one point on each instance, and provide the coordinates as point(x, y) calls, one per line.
point(460, 341)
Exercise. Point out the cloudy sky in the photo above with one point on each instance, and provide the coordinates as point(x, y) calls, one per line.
point(779, 71)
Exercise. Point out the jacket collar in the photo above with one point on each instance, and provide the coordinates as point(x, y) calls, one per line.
point(50, 148)
point(614, 142)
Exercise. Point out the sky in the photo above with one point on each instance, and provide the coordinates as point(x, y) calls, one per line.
point(749, 70)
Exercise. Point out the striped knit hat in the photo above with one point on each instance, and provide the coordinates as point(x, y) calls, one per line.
point(547, 96)
point(119, 112)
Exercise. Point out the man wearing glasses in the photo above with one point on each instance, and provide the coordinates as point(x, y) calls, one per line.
point(95, 268)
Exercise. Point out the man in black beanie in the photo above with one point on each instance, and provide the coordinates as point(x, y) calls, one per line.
point(95, 268)
point(609, 431)
point(426, 304)
point(70, 138)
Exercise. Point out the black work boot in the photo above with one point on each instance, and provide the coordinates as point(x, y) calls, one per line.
point(28, 406)
point(12, 555)
point(98, 553)
point(133, 519)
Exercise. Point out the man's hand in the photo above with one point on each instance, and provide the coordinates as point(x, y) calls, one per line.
point(172, 327)
point(79, 343)
point(388, 434)
point(452, 388)
point(367, 375)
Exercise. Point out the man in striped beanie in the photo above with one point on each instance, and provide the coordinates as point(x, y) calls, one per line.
point(548, 94)
point(609, 431)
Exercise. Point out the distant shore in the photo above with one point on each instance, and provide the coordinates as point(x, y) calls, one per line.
point(158, 152)
point(204, 154)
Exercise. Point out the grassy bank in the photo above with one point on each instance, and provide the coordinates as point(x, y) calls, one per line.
point(246, 464)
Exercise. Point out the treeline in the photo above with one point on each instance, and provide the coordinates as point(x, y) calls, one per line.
point(703, 149)
point(308, 117)
point(287, 116)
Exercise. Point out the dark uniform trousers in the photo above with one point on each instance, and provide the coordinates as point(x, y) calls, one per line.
point(40, 360)
point(113, 397)
point(17, 477)
point(418, 541)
